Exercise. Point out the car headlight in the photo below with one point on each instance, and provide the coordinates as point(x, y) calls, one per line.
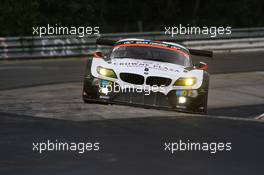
point(185, 81)
point(106, 72)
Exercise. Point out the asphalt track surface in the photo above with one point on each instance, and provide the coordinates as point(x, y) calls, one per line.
point(127, 145)
point(131, 146)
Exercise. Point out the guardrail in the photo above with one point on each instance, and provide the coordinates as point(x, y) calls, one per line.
point(74, 46)
point(232, 45)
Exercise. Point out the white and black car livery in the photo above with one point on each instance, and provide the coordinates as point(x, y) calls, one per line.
point(147, 73)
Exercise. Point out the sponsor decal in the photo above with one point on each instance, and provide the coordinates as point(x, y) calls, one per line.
point(148, 65)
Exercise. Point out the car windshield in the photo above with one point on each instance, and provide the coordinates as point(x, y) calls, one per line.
point(152, 53)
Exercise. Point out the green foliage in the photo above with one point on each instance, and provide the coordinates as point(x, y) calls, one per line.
point(17, 17)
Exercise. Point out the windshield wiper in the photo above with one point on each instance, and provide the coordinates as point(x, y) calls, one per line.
point(159, 60)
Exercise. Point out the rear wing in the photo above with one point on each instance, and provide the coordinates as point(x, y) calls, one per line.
point(107, 42)
point(195, 52)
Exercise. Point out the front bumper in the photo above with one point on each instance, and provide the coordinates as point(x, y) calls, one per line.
point(194, 99)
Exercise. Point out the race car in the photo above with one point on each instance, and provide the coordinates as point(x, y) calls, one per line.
point(151, 74)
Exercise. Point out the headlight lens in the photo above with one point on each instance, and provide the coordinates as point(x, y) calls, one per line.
point(106, 72)
point(185, 81)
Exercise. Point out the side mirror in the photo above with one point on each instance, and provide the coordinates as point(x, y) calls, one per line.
point(201, 66)
point(98, 54)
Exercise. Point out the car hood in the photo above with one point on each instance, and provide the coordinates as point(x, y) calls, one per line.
point(147, 67)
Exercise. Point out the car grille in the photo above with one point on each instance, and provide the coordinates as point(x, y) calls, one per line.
point(132, 78)
point(152, 99)
point(158, 81)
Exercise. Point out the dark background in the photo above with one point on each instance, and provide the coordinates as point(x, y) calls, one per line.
point(17, 17)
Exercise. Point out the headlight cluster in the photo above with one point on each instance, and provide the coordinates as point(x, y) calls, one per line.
point(106, 72)
point(185, 81)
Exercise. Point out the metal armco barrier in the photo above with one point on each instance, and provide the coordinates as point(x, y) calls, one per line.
point(231, 45)
point(74, 46)
point(34, 47)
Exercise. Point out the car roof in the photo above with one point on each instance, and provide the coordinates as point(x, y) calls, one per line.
point(122, 41)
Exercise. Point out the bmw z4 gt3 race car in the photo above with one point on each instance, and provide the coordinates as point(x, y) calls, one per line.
point(147, 73)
